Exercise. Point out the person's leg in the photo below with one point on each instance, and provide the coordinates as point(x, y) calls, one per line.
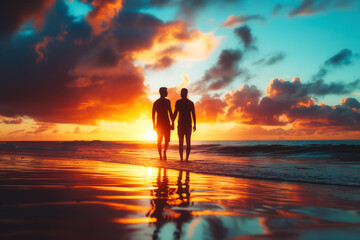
point(166, 144)
point(159, 140)
point(167, 140)
point(181, 144)
point(188, 144)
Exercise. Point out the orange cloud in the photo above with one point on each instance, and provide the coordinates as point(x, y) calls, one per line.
point(40, 48)
point(100, 18)
point(176, 41)
point(234, 20)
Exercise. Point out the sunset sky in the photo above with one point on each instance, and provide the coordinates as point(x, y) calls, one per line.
point(255, 69)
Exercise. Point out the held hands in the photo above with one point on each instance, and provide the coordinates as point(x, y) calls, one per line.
point(194, 128)
point(172, 126)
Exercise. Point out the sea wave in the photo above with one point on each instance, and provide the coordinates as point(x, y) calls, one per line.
point(320, 162)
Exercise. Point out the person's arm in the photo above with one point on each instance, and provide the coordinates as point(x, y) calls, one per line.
point(171, 115)
point(194, 117)
point(153, 116)
point(175, 113)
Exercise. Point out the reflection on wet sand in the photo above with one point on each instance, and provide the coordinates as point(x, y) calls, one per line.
point(170, 203)
point(45, 198)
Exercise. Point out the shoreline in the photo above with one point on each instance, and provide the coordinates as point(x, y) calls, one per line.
point(182, 166)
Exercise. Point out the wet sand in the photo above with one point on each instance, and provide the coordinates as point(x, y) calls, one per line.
point(53, 198)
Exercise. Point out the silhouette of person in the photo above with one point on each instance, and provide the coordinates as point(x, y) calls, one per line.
point(163, 112)
point(186, 109)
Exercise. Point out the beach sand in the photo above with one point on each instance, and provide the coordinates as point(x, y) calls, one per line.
point(54, 198)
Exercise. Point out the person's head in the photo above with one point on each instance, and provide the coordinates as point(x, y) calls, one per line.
point(163, 92)
point(184, 93)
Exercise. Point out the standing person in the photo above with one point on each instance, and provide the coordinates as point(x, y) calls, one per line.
point(163, 112)
point(186, 109)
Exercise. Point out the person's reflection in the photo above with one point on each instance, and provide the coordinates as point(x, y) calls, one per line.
point(165, 198)
point(160, 201)
point(183, 191)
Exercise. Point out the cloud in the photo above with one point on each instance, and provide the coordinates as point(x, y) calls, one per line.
point(209, 108)
point(286, 103)
point(222, 74)
point(234, 20)
point(100, 18)
point(17, 132)
point(13, 14)
point(160, 64)
point(11, 120)
point(82, 72)
point(190, 8)
point(319, 87)
point(77, 130)
point(187, 9)
point(276, 9)
point(342, 58)
point(244, 33)
point(310, 7)
point(350, 103)
point(271, 60)
point(176, 40)
point(42, 128)
point(289, 103)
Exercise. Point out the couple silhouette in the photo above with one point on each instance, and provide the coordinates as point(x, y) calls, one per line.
point(186, 111)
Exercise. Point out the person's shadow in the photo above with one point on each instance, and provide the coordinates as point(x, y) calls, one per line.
point(164, 198)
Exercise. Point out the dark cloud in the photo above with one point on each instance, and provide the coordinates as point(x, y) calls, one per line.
point(244, 33)
point(160, 64)
point(285, 103)
point(339, 116)
point(136, 31)
point(107, 57)
point(319, 87)
point(351, 103)
point(310, 7)
point(276, 9)
point(187, 9)
point(290, 103)
point(342, 58)
point(234, 20)
point(222, 74)
point(13, 14)
point(272, 59)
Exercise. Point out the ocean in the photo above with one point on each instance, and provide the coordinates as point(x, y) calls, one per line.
point(318, 162)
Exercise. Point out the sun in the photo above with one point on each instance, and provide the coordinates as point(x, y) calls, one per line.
point(150, 135)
